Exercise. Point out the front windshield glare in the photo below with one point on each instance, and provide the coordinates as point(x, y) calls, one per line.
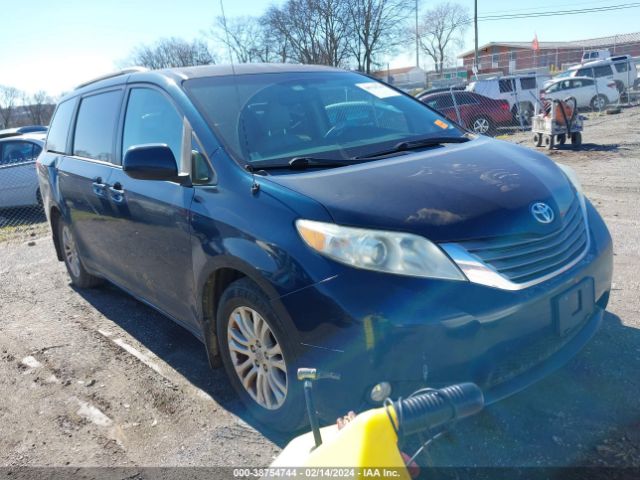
point(268, 119)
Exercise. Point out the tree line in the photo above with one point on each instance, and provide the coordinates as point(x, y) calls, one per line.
point(19, 108)
point(354, 34)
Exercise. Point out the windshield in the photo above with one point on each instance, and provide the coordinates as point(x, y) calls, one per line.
point(271, 118)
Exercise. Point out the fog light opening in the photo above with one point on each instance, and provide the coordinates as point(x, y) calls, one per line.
point(380, 392)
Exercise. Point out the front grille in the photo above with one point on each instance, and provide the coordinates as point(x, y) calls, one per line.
point(525, 258)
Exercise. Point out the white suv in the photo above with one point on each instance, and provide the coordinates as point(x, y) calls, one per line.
point(621, 70)
point(521, 91)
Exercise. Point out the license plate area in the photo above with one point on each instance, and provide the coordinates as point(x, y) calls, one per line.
point(574, 306)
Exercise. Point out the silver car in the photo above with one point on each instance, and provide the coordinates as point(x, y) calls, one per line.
point(18, 179)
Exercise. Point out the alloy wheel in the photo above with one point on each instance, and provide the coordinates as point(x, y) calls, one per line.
point(599, 103)
point(257, 358)
point(70, 251)
point(481, 125)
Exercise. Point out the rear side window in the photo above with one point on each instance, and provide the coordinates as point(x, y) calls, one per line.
point(14, 153)
point(585, 72)
point(506, 86)
point(151, 118)
point(582, 82)
point(465, 99)
point(621, 67)
point(96, 125)
point(528, 83)
point(59, 130)
point(603, 71)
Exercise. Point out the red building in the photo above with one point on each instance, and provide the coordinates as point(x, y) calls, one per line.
point(508, 57)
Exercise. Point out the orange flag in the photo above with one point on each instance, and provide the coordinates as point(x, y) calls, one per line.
point(535, 45)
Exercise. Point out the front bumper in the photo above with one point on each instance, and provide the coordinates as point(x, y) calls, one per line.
point(372, 327)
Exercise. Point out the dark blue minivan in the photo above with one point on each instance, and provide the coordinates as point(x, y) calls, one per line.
point(300, 216)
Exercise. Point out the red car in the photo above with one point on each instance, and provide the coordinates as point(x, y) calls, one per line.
point(477, 112)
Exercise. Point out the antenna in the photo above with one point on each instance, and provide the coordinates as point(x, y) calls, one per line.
point(255, 187)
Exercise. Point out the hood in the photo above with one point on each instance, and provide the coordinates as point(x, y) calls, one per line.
point(481, 188)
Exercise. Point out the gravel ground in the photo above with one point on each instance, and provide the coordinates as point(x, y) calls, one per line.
point(95, 378)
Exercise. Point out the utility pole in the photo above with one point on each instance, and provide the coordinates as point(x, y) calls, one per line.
point(417, 41)
point(475, 26)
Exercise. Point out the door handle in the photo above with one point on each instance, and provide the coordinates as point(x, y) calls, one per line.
point(117, 193)
point(98, 187)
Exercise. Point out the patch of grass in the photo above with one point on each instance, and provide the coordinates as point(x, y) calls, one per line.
point(23, 232)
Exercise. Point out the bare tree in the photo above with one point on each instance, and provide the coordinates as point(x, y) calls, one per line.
point(248, 39)
point(9, 97)
point(316, 31)
point(172, 52)
point(442, 28)
point(39, 107)
point(378, 27)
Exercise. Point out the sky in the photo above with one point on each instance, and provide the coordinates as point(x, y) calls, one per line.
point(53, 45)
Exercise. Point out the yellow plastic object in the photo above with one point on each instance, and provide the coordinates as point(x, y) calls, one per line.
point(369, 442)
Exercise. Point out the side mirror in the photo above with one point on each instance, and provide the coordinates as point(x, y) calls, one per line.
point(152, 162)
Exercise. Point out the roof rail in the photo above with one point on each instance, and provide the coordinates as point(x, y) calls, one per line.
point(124, 71)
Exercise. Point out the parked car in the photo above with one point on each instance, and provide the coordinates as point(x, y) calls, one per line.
point(621, 70)
point(521, 91)
point(285, 231)
point(11, 132)
point(477, 113)
point(439, 90)
point(587, 92)
point(18, 178)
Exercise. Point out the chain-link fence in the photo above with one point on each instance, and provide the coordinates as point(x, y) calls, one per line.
point(514, 88)
point(21, 213)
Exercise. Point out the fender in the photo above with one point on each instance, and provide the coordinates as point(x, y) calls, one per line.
point(208, 293)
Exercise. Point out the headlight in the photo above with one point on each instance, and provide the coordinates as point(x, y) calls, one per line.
point(390, 252)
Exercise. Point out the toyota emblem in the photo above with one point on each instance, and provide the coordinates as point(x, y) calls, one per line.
point(542, 212)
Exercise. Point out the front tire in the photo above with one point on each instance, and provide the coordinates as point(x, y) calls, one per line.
point(79, 275)
point(599, 102)
point(259, 356)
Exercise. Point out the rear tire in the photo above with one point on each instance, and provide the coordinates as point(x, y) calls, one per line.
point(482, 126)
point(599, 102)
point(79, 275)
point(259, 356)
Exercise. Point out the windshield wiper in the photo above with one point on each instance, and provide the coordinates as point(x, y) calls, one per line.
point(302, 163)
point(414, 145)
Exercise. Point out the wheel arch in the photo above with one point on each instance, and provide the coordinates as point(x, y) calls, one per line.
point(223, 273)
point(54, 218)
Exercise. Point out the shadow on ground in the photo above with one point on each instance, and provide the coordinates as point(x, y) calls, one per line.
point(174, 345)
point(584, 414)
point(590, 147)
